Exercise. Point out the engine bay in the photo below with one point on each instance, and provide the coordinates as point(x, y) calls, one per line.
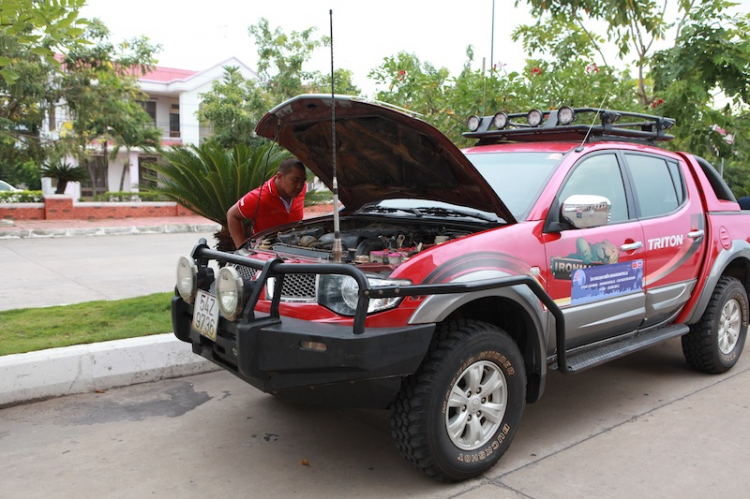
point(362, 242)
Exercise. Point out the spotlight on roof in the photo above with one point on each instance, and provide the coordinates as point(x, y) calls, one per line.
point(534, 117)
point(565, 115)
point(500, 120)
point(473, 123)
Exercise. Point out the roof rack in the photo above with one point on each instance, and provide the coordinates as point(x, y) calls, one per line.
point(555, 125)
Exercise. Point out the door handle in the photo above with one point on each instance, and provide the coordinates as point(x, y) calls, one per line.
point(695, 234)
point(632, 246)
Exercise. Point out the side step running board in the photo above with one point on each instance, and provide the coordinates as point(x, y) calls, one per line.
point(577, 362)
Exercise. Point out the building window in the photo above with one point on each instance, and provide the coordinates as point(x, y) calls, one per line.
point(150, 108)
point(174, 125)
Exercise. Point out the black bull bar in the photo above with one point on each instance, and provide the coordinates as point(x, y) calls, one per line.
point(277, 268)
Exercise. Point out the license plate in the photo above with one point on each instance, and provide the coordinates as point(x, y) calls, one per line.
point(206, 315)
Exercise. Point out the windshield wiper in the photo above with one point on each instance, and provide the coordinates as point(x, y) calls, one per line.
point(388, 209)
point(456, 213)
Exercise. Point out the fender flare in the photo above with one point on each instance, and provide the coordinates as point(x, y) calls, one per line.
point(739, 250)
point(436, 308)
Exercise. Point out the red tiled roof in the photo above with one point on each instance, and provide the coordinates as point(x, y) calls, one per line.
point(163, 74)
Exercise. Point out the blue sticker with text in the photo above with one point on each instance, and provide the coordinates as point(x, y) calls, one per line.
point(606, 281)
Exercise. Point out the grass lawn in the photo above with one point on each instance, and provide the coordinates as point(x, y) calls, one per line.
point(29, 329)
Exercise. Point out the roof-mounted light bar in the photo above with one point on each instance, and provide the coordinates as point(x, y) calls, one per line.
point(560, 124)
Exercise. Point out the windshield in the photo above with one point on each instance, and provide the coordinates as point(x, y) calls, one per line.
point(430, 208)
point(516, 177)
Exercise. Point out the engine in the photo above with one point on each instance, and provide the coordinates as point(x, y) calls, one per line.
point(371, 243)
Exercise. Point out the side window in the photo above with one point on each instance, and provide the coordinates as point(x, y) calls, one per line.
point(599, 175)
point(659, 188)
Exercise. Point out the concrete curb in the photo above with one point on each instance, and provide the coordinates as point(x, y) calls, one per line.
point(99, 366)
point(109, 231)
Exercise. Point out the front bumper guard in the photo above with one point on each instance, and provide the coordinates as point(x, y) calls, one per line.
point(256, 331)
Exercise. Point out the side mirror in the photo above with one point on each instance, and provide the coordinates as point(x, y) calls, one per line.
point(584, 211)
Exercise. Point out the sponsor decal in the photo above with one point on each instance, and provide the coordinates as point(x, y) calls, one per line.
point(606, 281)
point(587, 255)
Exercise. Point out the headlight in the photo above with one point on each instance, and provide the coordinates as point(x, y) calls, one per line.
point(187, 278)
point(340, 293)
point(229, 287)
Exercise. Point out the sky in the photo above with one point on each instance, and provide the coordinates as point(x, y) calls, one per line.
point(198, 34)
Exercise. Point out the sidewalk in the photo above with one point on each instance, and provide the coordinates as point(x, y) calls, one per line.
point(114, 226)
point(106, 226)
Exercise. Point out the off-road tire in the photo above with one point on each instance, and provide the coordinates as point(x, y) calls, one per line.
point(424, 409)
point(714, 343)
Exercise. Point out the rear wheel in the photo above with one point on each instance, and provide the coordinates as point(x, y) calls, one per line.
point(714, 344)
point(457, 415)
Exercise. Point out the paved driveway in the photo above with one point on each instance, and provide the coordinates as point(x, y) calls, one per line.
point(40, 272)
point(643, 426)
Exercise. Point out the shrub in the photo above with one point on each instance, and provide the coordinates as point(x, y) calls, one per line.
point(21, 197)
point(114, 197)
point(318, 197)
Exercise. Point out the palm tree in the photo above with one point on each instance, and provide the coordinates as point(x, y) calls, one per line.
point(135, 131)
point(208, 179)
point(64, 172)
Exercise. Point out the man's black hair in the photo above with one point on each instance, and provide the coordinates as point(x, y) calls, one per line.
point(286, 166)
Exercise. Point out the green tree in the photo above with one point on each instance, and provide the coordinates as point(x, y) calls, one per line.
point(41, 27)
point(23, 102)
point(232, 108)
point(281, 58)
point(343, 84)
point(235, 104)
point(208, 179)
point(100, 88)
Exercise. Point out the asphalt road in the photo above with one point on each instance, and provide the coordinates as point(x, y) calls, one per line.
point(40, 272)
point(643, 426)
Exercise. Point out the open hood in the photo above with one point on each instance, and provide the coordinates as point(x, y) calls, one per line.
point(381, 153)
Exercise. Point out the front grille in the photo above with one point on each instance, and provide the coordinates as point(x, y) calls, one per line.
point(297, 287)
point(245, 272)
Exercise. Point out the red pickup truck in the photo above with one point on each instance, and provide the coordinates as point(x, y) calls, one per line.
point(563, 239)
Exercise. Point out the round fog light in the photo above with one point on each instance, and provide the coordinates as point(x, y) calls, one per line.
point(565, 115)
point(534, 118)
point(187, 278)
point(229, 292)
point(500, 120)
point(473, 123)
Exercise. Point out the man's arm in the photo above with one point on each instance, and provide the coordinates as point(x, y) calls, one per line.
point(236, 225)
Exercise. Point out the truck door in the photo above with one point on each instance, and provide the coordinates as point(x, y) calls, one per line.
point(669, 206)
point(596, 274)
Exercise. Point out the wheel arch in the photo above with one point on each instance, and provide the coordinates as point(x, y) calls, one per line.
point(733, 262)
point(515, 309)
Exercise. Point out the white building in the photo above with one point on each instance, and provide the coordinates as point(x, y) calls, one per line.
point(173, 102)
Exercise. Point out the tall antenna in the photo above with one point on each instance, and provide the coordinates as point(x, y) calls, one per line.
point(337, 249)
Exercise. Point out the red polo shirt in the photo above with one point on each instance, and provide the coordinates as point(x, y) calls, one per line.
point(271, 211)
